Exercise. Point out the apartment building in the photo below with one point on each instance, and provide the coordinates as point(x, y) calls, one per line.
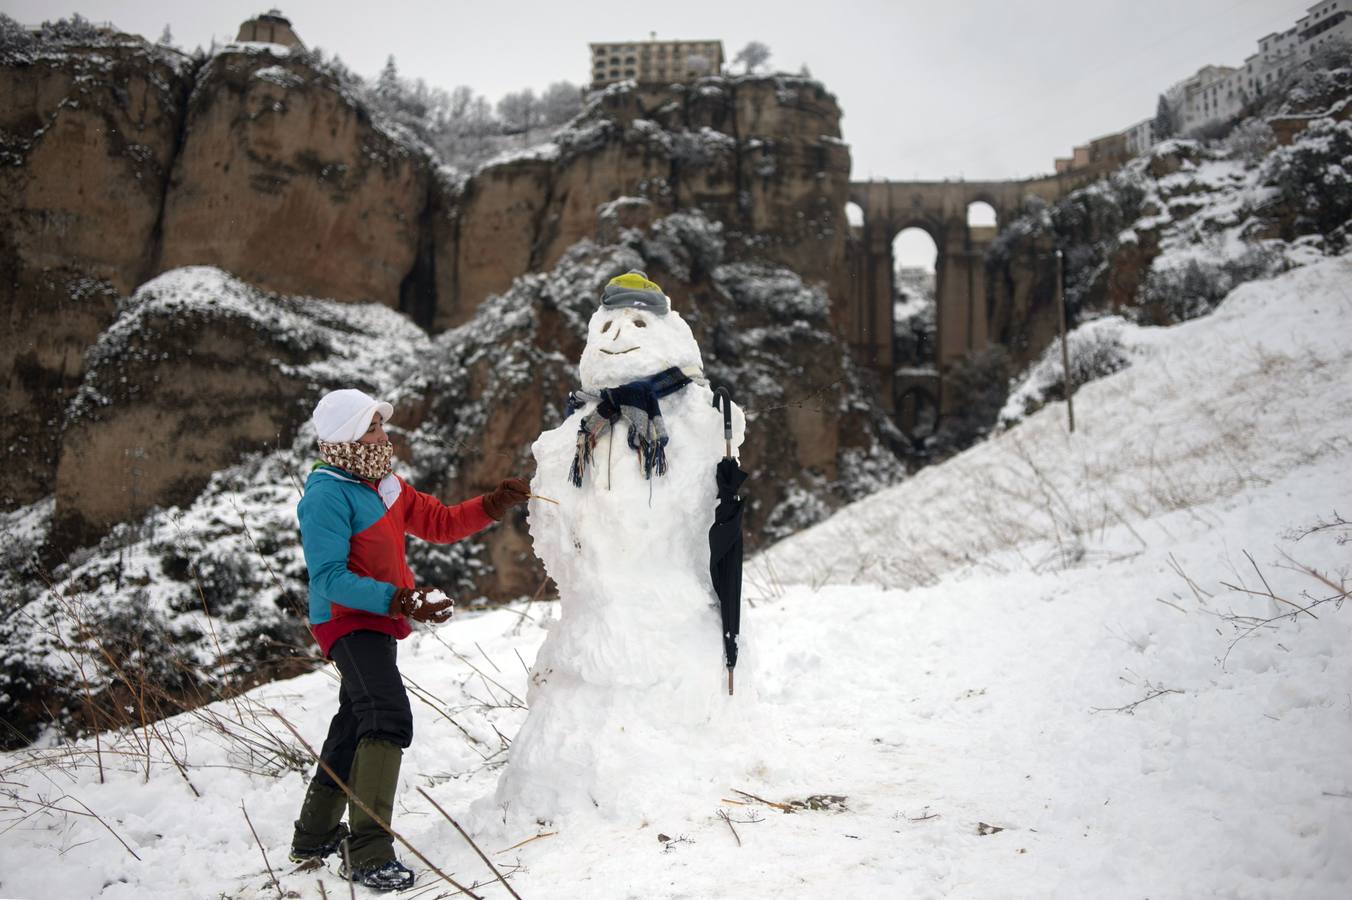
point(1323, 23)
point(1140, 137)
point(653, 61)
point(1209, 95)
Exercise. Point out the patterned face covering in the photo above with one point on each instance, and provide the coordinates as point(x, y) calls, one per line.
point(369, 461)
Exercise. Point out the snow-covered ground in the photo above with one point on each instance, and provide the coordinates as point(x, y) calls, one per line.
point(1040, 669)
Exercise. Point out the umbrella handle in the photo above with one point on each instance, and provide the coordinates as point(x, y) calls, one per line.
point(727, 442)
point(729, 682)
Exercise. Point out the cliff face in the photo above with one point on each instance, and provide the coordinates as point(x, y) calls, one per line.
point(125, 161)
point(283, 180)
point(87, 138)
point(761, 156)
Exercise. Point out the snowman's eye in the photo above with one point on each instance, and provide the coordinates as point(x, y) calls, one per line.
point(605, 327)
point(639, 323)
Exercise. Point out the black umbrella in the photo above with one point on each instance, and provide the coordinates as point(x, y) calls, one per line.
point(725, 540)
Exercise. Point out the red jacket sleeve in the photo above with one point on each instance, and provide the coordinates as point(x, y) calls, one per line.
point(432, 520)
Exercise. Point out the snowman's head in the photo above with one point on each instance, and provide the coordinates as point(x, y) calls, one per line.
point(635, 334)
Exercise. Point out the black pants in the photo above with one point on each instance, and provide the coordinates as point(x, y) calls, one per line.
point(372, 701)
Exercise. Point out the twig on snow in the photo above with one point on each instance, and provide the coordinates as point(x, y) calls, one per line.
point(105, 825)
point(723, 814)
point(782, 807)
point(488, 862)
point(534, 837)
point(267, 864)
point(1130, 708)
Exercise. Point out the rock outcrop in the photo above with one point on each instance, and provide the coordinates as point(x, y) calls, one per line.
point(264, 162)
point(87, 139)
point(762, 156)
point(197, 371)
point(284, 180)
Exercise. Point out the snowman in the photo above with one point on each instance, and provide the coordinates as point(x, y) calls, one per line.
point(630, 716)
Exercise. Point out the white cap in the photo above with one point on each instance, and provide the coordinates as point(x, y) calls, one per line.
point(343, 416)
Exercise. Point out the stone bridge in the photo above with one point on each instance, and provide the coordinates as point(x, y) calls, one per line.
point(940, 209)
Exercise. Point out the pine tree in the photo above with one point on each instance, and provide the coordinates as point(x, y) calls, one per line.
point(387, 85)
point(1164, 126)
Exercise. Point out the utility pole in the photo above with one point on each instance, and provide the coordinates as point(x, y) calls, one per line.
point(1065, 346)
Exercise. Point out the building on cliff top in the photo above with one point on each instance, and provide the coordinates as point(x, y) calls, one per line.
point(653, 61)
point(1216, 94)
point(270, 27)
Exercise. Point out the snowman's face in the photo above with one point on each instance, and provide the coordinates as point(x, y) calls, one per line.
point(627, 344)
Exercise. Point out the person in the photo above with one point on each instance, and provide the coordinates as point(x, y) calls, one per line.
point(353, 517)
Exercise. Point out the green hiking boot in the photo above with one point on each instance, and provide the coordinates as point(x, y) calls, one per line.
point(319, 830)
point(375, 776)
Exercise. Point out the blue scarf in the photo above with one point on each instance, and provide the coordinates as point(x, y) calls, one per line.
point(635, 403)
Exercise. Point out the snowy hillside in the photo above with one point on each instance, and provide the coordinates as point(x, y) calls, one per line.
point(1203, 411)
point(1108, 664)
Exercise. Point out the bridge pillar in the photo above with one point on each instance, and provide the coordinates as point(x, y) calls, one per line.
point(867, 323)
point(962, 320)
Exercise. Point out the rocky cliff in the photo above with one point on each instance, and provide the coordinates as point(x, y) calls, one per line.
point(180, 300)
point(265, 163)
point(88, 135)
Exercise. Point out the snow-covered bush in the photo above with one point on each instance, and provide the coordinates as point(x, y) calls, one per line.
point(687, 243)
point(1251, 141)
point(1324, 79)
point(1193, 287)
point(14, 38)
point(1096, 350)
point(75, 30)
point(1087, 223)
point(1314, 175)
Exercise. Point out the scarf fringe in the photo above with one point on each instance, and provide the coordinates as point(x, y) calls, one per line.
point(582, 458)
point(636, 402)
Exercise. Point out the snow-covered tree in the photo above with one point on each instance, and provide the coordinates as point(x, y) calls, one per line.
point(752, 56)
point(166, 37)
point(560, 102)
point(519, 112)
point(387, 83)
point(1164, 126)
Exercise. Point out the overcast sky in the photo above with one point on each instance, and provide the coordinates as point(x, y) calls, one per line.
point(975, 89)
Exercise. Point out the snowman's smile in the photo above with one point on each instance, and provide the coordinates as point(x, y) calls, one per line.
point(618, 352)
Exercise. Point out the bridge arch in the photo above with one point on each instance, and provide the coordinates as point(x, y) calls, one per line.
point(963, 311)
point(979, 211)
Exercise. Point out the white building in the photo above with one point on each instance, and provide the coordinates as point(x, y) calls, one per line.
point(1322, 23)
point(1280, 53)
point(1208, 96)
point(1140, 137)
point(1217, 93)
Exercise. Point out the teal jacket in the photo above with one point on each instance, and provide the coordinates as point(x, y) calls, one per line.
point(352, 532)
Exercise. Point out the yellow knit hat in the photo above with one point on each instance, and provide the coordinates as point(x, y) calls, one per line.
point(633, 289)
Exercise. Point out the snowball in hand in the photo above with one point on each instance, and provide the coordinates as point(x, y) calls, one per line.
point(629, 711)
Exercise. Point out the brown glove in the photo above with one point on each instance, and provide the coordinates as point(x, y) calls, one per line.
point(413, 603)
point(508, 494)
